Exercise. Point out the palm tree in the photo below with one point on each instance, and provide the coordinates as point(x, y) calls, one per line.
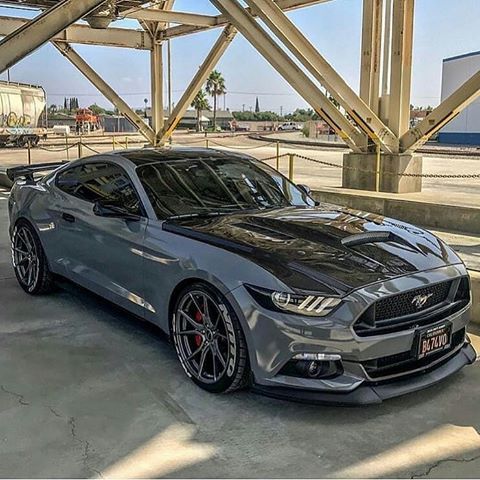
point(215, 87)
point(200, 103)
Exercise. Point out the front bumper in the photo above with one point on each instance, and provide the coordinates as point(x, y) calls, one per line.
point(274, 339)
point(373, 393)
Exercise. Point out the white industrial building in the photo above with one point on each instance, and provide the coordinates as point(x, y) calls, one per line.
point(465, 128)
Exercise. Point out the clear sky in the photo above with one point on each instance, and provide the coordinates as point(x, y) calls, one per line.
point(443, 28)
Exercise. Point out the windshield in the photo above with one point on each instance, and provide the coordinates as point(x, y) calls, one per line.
point(216, 185)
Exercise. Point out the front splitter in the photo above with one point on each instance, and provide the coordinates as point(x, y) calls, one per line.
point(374, 393)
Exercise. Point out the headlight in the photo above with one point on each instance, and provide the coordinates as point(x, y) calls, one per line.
point(310, 305)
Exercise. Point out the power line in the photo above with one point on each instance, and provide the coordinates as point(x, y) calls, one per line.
point(175, 91)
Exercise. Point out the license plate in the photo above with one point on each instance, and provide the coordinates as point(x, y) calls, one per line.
point(434, 340)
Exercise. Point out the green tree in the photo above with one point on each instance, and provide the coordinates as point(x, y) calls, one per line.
point(257, 106)
point(302, 115)
point(200, 103)
point(215, 86)
point(96, 109)
point(256, 116)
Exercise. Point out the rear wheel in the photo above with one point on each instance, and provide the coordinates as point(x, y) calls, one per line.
point(29, 261)
point(209, 341)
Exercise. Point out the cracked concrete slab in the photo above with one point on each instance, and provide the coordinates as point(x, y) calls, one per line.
point(88, 390)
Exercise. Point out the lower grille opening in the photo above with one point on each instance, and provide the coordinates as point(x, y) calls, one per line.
point(406, 361)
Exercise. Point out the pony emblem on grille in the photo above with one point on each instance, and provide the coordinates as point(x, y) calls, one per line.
point(420, 300)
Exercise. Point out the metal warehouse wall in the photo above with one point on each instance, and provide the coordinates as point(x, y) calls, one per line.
point(465, 128)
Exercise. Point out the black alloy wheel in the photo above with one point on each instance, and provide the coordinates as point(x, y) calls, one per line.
point(209, 341)
point(29, 261)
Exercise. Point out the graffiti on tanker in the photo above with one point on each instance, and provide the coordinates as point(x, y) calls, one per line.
point(12, 120)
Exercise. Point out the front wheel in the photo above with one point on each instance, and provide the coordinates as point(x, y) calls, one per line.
point(29, 261)
point(209, 340)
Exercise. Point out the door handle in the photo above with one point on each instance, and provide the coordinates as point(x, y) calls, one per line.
point(68, 218)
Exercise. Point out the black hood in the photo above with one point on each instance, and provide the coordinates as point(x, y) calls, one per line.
point(327, 248)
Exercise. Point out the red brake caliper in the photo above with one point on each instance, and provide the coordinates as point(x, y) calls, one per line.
point(198, 319)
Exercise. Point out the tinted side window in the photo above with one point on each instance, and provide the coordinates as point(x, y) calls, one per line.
point(100, 181)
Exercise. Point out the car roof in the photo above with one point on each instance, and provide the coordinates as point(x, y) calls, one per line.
point(143, 156)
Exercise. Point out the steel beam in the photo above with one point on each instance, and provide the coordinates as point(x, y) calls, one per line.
point(198, 80)
point(41, 29)
point(444, 113)
point(371, 53)
point(401, 69)
point(184, 18)
point(387, 47)
point(156, 63)
point(322, 71)
point(222, 20)
point(66, 50)
point(277, 57)
point(83, 34)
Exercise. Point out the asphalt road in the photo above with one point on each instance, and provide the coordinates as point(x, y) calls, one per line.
point(87, 390)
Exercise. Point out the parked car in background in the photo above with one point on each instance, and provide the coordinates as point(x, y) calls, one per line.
point(289, 126)
point(256, 283)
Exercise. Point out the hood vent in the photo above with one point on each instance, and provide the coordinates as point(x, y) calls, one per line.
point(369, 237)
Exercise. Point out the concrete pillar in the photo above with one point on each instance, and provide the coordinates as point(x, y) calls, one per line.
point(360, 172)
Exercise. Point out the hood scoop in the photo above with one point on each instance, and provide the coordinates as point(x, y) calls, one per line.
point(368, 237)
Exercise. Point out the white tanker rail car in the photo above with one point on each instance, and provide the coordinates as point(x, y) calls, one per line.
point(21, 107)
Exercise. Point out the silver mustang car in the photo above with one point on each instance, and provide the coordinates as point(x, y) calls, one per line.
point(256, 283)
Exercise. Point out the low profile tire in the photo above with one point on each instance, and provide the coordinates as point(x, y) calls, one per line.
point(29, 261)
point(209, 341)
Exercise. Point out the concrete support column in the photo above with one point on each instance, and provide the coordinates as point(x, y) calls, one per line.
point(157, 89)
point(360, 172)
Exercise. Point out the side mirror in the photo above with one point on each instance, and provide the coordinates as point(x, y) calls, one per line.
point(305, 189)
point(108, 210)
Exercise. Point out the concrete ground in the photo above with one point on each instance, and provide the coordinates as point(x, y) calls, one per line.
point(87, 390)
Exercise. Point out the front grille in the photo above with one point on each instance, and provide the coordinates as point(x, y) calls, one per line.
point(419, 307)
point(405, 362)
point(404, 303)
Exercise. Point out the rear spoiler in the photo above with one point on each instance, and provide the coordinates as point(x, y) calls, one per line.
point(28, 171)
